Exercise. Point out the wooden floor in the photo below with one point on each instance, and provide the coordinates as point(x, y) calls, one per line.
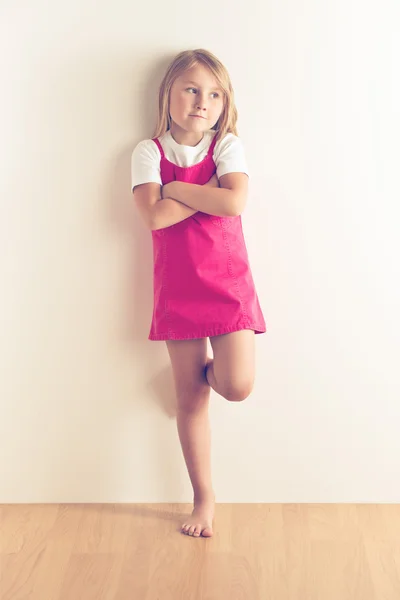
point(258, 552)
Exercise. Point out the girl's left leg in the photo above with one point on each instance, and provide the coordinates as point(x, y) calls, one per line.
point(231, 372)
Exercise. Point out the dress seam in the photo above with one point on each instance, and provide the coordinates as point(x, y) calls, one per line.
point(209, 332)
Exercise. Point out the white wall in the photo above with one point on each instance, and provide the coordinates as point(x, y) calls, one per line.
point(82, 389)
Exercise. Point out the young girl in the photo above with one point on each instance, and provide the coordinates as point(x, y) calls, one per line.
point(190, 186)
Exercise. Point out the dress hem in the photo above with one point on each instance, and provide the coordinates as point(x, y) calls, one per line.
point(206, 333)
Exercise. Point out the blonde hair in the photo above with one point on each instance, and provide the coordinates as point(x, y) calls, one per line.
point(183, 61)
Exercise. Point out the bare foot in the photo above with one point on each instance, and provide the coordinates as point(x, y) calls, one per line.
point(200, 521)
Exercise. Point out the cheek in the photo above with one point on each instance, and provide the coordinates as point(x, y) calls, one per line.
point(178, 102)
point(174, 102)
point(218, 109)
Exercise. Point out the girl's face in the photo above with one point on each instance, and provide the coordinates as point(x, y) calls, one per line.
point(196, 103)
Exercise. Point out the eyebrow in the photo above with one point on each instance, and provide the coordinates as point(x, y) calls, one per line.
point(197, 85)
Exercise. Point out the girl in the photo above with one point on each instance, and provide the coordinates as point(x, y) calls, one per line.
point(190, 185)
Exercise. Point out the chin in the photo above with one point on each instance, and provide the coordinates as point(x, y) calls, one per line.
point(197, 125)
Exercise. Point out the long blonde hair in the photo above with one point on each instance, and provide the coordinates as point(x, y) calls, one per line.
point(183, 61)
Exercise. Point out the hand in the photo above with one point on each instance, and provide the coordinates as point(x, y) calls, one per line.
point(213, 182)
point(166, 190)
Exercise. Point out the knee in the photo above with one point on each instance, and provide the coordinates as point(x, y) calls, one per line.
point(237, 391)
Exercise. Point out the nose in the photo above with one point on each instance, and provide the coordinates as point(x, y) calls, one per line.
point(201, 103)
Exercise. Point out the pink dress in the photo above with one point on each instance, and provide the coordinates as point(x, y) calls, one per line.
point(202, 280)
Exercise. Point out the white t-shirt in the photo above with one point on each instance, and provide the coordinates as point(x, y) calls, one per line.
point(228, 155)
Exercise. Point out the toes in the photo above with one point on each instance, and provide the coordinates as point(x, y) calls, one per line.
point(207, 532)
point(196, 530)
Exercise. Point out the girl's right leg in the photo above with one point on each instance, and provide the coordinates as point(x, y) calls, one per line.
point(189, 359)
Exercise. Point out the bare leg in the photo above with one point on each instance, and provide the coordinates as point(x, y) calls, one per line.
point(231, 372)
point(188, 358)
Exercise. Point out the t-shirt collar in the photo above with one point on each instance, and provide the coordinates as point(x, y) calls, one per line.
point(195, 149)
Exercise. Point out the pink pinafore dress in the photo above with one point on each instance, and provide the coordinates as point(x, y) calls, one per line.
point(202, 280)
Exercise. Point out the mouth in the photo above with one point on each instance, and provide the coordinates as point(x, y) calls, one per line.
point(197, 116)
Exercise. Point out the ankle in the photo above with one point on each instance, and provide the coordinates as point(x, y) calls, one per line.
point(204, 495)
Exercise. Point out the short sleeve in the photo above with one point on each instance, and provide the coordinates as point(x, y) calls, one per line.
point(145, 164)
point(229, 156)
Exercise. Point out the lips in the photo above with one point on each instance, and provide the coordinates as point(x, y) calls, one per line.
point(197, 116)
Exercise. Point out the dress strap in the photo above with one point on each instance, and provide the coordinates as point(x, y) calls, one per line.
point(212, 146)
point(209, 153)
point(157, 142)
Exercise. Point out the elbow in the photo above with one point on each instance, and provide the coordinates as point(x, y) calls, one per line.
point(236, 211)
point(156, 227)
point(237, 206)
point(156, 224)
point(149, 222)
point(149, 217)
point(153, 224)
point(153, 220)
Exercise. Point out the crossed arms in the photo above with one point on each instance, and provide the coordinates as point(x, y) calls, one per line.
point(163, 206)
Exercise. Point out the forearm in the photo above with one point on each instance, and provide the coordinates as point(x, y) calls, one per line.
point(221, 202)
point(167, 212)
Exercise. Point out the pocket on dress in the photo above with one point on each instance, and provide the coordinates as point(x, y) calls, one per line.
point(203, 219)
point(223, 222)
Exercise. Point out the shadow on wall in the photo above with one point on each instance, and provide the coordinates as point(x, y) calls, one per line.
point(136, 311)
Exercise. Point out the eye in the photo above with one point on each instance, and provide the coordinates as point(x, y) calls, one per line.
point(215, 94)
point(188, 89)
